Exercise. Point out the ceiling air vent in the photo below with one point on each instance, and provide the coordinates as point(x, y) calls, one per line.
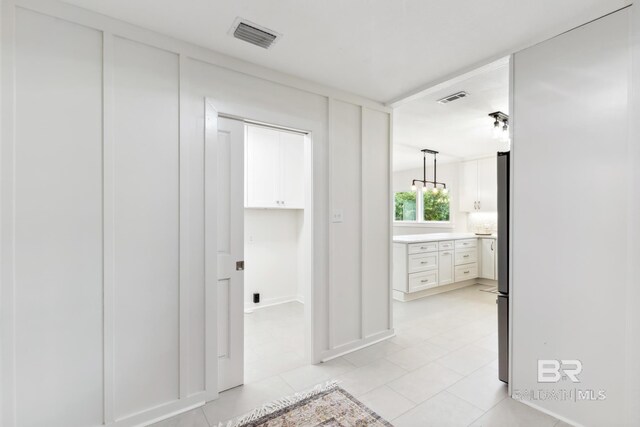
point(453, 97)
point(253, 33)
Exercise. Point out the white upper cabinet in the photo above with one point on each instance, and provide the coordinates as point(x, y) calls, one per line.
point(274, 169)
point(479, 185)
point(292, 161)
point(469, 186)
point(488, 184)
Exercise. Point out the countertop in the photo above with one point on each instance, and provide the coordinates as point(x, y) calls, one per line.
point(436, 237)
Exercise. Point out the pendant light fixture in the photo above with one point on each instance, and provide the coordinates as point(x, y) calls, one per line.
point(423, 182)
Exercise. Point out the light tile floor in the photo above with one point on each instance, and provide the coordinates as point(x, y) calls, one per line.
point(439, 370)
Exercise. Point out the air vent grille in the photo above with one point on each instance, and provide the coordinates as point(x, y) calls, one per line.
point(453, 97)
point(254, 34)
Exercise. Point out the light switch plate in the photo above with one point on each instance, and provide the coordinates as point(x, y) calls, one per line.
point(336, 216)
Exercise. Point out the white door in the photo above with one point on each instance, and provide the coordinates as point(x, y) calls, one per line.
point(230, 248)
point(488, 184)
point(468, 186)
point(263, 162)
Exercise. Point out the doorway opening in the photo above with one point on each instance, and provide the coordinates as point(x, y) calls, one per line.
point(447, 184)
point(277, 247)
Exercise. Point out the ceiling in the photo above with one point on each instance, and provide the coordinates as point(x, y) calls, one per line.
point(459, 129)
point(379, 49)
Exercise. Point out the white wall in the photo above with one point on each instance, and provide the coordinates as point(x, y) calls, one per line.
point(632, 295)
point(448, 173)
point(272, 254)
point(109, 123)
point(571, 172)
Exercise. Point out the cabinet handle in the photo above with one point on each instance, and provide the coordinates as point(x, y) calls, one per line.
point(465, 256)
point(492, 242)
point(424, 281)
point(479, 205)
point(475, 205)
point(424, 262)
point(466, 272)
point(446, 253)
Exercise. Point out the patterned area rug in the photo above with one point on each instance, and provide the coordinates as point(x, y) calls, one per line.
point(326, 406)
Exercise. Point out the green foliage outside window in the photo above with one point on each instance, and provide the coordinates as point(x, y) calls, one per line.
point(405, 203)
point(436, 206)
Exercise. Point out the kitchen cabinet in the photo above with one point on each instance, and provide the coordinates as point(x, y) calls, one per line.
point(274, 169)
point(423, 262)
point(488, 259)
point(479, 185)
point(445, 267)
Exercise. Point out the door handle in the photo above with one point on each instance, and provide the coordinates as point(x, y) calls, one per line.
point(239, 265)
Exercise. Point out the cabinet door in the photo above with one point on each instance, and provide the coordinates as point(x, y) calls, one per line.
point(488, 184)
point(468, 186)
point(292, 170)
point(488, 259)
point(263, 168)
point(445, 267)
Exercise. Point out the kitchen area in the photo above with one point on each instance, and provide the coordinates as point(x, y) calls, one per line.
point(451, 224)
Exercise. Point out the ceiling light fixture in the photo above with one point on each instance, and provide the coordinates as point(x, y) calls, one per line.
point(424, 183)
point(500, 132)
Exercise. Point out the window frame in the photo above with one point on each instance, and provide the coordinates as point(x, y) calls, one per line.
point(420, 222)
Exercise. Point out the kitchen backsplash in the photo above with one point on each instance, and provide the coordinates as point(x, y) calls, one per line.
point(481, 221)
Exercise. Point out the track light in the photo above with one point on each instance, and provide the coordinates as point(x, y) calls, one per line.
point(500, 132)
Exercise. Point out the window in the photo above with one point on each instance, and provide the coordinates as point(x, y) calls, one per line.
point(405, 206)
point(436, 206)
point(422, 206)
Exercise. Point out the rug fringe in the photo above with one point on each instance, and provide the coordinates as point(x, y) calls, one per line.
point(276, 405)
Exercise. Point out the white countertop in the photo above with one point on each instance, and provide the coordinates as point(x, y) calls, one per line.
point(436, 237)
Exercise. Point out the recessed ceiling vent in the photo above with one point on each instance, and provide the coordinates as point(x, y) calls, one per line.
point(253, 33)
point(453, 97)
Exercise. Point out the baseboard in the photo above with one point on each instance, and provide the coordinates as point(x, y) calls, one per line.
point(270, 302)
point(357, 345)
point(548, 412)
point(404, 297)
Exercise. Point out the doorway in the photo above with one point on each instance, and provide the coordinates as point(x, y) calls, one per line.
point(263, 244)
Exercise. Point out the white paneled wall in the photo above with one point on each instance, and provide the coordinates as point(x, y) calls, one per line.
point(144, 173)
point(58, 224)
point(103, 287)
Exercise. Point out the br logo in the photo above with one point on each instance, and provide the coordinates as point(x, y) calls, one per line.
point(552, 370)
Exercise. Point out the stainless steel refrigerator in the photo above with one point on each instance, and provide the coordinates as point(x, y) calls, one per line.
point(503, 265)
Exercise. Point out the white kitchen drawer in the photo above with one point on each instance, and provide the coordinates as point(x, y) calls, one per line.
point(466, 243)
point(423, 262)
point(443, 246)
point(422, 281)
point(466, 256)
point(416, 248)
point(466, 272)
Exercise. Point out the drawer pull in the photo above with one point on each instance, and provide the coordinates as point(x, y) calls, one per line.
point(465, 256)
point(424, 262)
point(466, 272)
point(446, 253)
point(425, 280)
